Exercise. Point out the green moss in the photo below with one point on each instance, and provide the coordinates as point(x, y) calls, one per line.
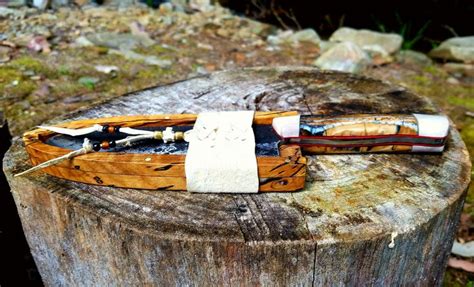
point(435, 71)
point(64, 71)
point(68, 88)
point(467, 102)
point(451, 279)
point(154, 50)
point(7, 76)
point(152, 73)
point(24, 88)
point(27, 63)
point(422, 80)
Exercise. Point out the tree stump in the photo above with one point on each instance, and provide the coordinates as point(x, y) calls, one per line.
point(372, 219)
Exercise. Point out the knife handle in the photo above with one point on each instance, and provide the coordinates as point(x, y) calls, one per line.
point(362, 133)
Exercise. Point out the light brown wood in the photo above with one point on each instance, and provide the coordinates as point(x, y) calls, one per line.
point(372, 124)
point(172, 183)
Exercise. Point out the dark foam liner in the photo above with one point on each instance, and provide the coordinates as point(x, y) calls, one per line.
point(265, 139)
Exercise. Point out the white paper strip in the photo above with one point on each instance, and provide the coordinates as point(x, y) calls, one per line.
point(221, 154)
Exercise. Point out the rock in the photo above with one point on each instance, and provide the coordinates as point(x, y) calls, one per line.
point(39, 44)
point(41, 4)
point(389, 42)
point(125, 41)
point(459, 70)
point(326, 45)
point(345, 57)
point(201, 5)
point(7, 12)
point(5, 54)
point(259, 28)
point(16, 3)
point(411, 57)
point(83, 42)
point(59, 3)
point(166, 7)
point(81, 3)
point(205, 46)
point(293, 38)
point(452, 81)
point(150, 60)
point(106, 69)
point(377, 54)
point(137, 29)
point(306, 35)
point(223, 32)
point(457, 49)
point(277, 39)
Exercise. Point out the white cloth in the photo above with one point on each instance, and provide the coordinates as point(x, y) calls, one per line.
point(221, 154)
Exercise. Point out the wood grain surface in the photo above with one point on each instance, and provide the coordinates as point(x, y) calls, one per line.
point(373, 219)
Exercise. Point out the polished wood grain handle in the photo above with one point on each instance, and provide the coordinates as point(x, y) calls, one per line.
point(369, 133)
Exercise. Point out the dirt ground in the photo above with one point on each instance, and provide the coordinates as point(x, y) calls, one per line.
point(48, 67)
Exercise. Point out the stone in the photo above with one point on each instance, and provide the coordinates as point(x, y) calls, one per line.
point(457, 49)
point(137, 29)
point(411, 57)
point(452, 81)
point(106, 69)
point(377, 54)
point(459, 70)
point(293, 38)
point(306, 35)
point(201, 5)
point(5, 54)
point(326, 45)
point(389, 42)
point(59, 3)
point(277, 38)
point(41, 4)
point(16, 3)
point(150, 60)
point(81, 3)
point(125, 41)
point(8, 12)
point(166, 7)
point(345, 57)
point(83, 42)
point(39, 44)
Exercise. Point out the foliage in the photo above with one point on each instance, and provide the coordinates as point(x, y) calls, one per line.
point(411, 36)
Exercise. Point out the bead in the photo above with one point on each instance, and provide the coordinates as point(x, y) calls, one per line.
point(178, 136)
point(112, 144)
point(105, 128)
point(117, 129)
point(96, 146)
point(104, 145)
point(111, 130)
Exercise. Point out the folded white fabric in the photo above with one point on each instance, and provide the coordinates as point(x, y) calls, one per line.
point(221, 154)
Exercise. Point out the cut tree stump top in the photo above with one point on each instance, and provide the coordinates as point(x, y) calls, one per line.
point(347, 198)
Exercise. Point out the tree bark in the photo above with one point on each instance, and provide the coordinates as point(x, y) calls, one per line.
point(373, 219)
